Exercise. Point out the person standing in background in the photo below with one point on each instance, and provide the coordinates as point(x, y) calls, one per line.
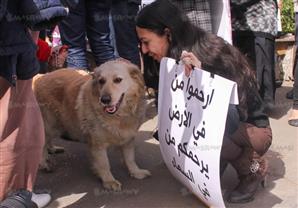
point(254, 25)
point(293, 119)
point(87, 18)
point(198, 11)
point(123, 14)
point(21, 124)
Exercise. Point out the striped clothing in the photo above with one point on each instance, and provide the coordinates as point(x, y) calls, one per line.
point(198, 12)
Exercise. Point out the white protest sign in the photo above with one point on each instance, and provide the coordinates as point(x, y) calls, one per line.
point(191, 121)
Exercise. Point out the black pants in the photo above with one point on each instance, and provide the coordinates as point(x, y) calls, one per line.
point(295, 92)
point(260, 51)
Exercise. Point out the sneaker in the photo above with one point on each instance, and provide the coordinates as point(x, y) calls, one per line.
point(41, 200)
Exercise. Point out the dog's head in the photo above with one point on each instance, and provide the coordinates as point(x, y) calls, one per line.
point(118, 85)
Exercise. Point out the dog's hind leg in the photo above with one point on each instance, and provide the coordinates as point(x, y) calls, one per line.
point(52, 130)
point(101, 167)
point(129, 158)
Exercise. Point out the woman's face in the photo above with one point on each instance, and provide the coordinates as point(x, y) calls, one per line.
point(153, 44)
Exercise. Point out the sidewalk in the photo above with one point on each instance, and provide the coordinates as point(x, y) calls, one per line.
point(73, 184)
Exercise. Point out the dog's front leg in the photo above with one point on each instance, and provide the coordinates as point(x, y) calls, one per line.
point(101, 167)
point(129, 158)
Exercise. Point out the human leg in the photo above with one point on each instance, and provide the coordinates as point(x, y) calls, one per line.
point(246, 44)
point(250, 166)
point(293, 119)
point(73, 34)
point(248, 135)
point(123, 14)
point(240, 143)
point(22, 137)
point(251, 170)
point(98, 31)
point(265, 70)
point(230, 151)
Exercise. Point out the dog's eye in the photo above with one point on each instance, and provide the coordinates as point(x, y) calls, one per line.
point(117, 80)
point(101, 81)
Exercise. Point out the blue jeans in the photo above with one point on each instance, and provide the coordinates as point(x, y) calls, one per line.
point(123, 17)
point(89, 18)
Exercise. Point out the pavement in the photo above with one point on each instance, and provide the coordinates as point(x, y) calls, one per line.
point(73, 184)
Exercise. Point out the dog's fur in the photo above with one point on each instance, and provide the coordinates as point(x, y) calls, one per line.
point(81, 106)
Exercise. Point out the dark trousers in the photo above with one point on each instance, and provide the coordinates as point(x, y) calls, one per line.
point(260, 51)
point(295, 92)
point(240, 135)
point(123, 17)
point(230, 150)
point(89, 18)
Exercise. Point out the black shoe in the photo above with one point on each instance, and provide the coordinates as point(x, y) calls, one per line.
point(246, 190)
point(278, 83)
point(251, 169)
point(290, 94)
point(293, 122)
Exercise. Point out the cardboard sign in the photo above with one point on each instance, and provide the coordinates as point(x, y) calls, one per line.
point(191, 121)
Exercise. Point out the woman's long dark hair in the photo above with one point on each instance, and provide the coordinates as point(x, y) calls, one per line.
point(217, 56)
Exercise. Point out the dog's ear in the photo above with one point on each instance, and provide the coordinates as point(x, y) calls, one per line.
point(136, 74)
point(92, 75)
point(94, 80)
point(94, 83)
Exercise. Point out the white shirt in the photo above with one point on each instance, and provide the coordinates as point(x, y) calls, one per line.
point(295, 5)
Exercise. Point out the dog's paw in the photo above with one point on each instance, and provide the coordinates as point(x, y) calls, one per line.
point(112, 185)
point(46, 167)
point(140, 174)
point(47, 164)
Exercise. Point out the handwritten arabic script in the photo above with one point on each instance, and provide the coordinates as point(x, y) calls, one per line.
point(192, 112)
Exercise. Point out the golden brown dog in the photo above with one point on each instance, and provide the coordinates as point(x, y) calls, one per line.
point(105, 108)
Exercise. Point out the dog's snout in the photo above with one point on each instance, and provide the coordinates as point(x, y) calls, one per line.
point(106, 99)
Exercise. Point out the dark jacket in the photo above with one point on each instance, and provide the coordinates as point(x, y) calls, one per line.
point(16, 15)
point(15, 18)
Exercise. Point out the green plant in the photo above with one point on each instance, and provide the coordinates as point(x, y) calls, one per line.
point(287, 16)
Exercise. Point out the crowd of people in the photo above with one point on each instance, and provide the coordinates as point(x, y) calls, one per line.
point(154, 32)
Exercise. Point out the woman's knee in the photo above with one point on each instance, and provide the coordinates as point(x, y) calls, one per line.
point(248, 135)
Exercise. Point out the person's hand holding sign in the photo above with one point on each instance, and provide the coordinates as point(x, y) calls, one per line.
point(190, 61)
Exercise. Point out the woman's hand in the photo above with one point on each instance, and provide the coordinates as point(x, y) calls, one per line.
point(190, 61)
